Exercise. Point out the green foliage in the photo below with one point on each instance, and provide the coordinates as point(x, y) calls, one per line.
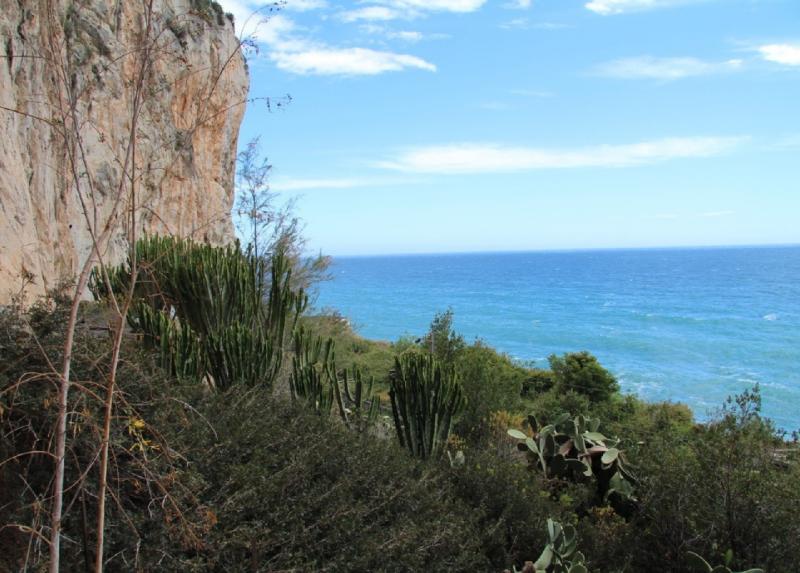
point(728, 485)
point(442, 340)
point(425, 396)
point(547, 406)
point(582, 373)
point(210, 311)
point(574, 449)
point(247, 481)
point(491, 382)
point(537, 382)
point(142, 463)
point(561, 554)
point(314, 378)
point(292, 491)
point(373, 358)
point(511, 506)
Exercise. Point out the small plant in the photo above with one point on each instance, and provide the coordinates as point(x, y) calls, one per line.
point(560, 555)
point(704, 566)
point(573, 449)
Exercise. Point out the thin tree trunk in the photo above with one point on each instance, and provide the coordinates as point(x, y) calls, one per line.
point(121, 314)
point(61, 424)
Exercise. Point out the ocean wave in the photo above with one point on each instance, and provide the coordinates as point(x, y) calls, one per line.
point(770, 317)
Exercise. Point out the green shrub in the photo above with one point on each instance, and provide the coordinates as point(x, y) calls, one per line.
point(491, 382)
point(511, 506)
point(581, 372)
point(295, 492)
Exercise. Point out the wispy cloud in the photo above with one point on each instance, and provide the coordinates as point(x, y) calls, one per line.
point(300, 5)
point(528, 24)
point(496, 158)
point(307, 184)
point(608, 7)
point(518, 4)
point(346, 61)
point(386, 10)
point(664, 69)
point(292, 51)
point(786, 54)
point(515, 24)
point(371, 14)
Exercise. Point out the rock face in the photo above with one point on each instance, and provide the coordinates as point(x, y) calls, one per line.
point(57, 181)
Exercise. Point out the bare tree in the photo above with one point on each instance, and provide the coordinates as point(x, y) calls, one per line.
point(271, 226)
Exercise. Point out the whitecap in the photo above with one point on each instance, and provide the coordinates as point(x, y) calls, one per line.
point(771, 317)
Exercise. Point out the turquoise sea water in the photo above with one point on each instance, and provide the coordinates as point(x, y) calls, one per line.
point(688, 325)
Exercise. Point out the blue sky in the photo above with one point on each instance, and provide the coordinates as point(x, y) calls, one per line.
point(475, 125)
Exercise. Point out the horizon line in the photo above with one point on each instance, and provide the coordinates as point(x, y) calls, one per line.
point(571, 250)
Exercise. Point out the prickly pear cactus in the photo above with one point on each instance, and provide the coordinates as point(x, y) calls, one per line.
point(574, 449)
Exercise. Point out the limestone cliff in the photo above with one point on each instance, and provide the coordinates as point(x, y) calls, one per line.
point(86, 51)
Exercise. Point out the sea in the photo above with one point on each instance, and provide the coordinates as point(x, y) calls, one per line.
point(682, 325)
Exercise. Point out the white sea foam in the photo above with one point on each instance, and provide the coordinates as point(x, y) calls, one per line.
point(771, 317)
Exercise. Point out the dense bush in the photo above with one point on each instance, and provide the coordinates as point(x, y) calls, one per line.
point(512, 506)
point(732, 485)
point(292, 491)
point(491, 383)
point(582, 373)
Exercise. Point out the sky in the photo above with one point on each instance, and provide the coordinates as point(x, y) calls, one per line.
point(421, 126)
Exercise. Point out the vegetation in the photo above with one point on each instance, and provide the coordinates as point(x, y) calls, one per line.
point(425, 398)
point(287, 469)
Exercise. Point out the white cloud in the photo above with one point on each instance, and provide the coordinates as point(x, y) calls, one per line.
point(786, 54)
point(346, 61)
point(385, 10)
point(292, 52)
point(250, 16)
point(515, 24)
point(648, 67)
point(304, 5)
point(440, 5)
point(519, 4)
point(371, 14)
point(301, 184)
point(607, 7)
point(406, 36)
point(494, 158)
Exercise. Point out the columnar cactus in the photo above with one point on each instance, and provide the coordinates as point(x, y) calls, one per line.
point(211, 311)
point(314, 378)
point(425, 397)
point(313, 372)
point(363, 407)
